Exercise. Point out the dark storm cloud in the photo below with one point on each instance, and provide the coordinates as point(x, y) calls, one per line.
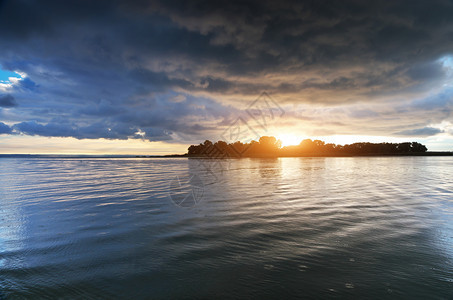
point(27, 84)
point(33, 128)
point(113, 69)
point(93, 131)
point(425, 131)
point(4, 129)
point(7, 101)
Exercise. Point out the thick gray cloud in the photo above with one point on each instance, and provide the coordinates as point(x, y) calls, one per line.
point(113, 69)
point(7, 101)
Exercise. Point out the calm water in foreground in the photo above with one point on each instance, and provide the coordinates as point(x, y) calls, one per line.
point(250, 228)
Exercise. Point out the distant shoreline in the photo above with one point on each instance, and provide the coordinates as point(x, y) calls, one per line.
point(88, 156)
point(81, 156)
point(432, 153)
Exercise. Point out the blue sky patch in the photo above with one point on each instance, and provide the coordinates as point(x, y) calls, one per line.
point(5, 75)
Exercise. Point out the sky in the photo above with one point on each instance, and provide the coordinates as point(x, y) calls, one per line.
point(153, 77)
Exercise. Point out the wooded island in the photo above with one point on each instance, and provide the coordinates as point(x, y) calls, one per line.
point(269, 146)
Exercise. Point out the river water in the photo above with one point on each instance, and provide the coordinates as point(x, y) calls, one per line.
point(375, 228)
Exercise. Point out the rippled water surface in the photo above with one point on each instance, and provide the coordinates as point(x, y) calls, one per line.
point(243, 228)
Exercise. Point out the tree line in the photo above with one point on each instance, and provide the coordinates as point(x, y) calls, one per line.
point(269, 146)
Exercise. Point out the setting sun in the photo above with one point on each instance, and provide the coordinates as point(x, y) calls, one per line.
point(289, 139)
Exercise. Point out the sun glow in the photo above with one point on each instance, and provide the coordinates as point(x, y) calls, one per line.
point(289, 139)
